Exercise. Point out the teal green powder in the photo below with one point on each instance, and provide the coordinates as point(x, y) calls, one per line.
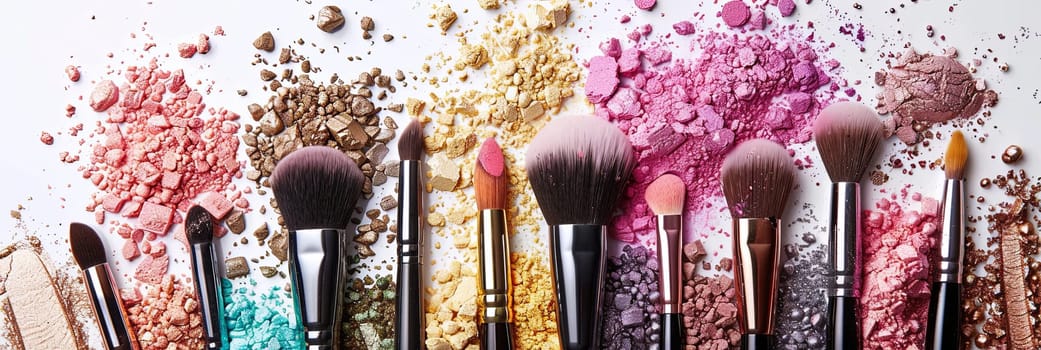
point(259, 321)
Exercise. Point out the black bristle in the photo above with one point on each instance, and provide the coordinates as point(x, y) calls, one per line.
point(578, 168)
point(410, 145)
point(87, 248)
point(316, 188)
point(198, 226)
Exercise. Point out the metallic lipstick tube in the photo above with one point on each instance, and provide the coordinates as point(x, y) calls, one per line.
point(844, 230)
point(578, 259)
point(756, 253)
point(952, 233)
point(408, 321)
point(496, 293)
point(114, 323)
point(317, 272)
point(670, 279)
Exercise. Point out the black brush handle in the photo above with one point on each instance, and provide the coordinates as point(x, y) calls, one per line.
point(671, 335)
point(496, 336)
point(115, 326)
point(208, 290)
point(944, 330)
point(577, 258)
point(757, 341)
point(408, 325)
point(842, 332)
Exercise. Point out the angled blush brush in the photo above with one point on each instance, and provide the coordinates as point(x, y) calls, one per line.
point(944, 327)
point(206, 274)
point(493, 245)
point(408, 320)
point(89, 253)
point(757, 178)
point(665, 196)
point(316, 189)
point(847, 136)
point(578, 167)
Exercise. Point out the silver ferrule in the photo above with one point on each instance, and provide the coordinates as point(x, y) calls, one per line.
point(410, 206)
point(108, 306)
point(494, 269)
point(844, 239)
point(670, 278)
point(317, 272)
point(952, 232)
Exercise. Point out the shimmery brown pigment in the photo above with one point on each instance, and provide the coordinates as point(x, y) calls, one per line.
point(1014, 280)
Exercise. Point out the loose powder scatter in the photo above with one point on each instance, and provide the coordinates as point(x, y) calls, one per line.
point(258, 320)
point(629, 317)
point(709, 312)
point(369, 313)
point(1012, 318)
point(166, 317)
point(534, 302)
point(692, 111)
point(927, 89)
point(452, 308)
point(897, 243)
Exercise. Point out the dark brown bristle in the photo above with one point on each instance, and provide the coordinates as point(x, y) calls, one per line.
point(316, 188)
point(198, 225)
point(410, 145)
point(578, 167)
point(490, 189)
point(757, 177)
point(847, 135)
point(87, 248)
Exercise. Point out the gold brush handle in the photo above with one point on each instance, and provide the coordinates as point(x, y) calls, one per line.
point(494, 270)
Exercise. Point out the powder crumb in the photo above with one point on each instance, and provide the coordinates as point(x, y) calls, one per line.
point(258, 319)
point(105, 95)
point(488, 4)
point(330, 19)
point(265, 42)
point(152, 269)
point(368, 300)
point(46, 138)
point(786, 7)
point(683, 28)
point(735, 13)
point(186, 50)
point(73, 73)
point(444, 16)
point(203, 46)
point(645, 5)
point(709, 313)
point(630, 299)
point(236, 267)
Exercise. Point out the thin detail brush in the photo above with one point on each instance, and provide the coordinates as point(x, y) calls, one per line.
point(89, 253)
point(493, 245)
point(944, 327)
point(665, 196)
point(198, 227)
point(408, 320)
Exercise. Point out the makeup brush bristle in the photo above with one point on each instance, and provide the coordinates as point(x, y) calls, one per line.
point(316, 187)
point(198, 225)
point(87, 248)
point(847, 135)
point(956, 157)
point(665, 195)
point(410, 145)
point(757, 177)
point(578, 167)
point(490, 176)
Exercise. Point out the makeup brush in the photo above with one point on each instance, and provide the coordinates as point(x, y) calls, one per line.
point(198, 226)
point(316, 189)
point(408, 320)
point(578, 167)
point(665, 197)
point(757, 178)
point(493, 246)
point(944, 329)
point(847, 135)
point(89, 253)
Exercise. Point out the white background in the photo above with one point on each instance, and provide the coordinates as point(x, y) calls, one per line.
point(41, 38)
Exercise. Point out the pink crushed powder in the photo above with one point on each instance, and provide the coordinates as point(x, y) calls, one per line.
point(187, 50)
point(203, 45)
point(787, 7)
point(73, 73)
point(645, 4)
point(735, 13)
point(683, 117)
point(928, 89)
point(683, 27)
point(491, 158)
point(154, 154)
point(897, 241)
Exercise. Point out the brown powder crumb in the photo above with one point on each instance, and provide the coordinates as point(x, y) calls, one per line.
point(265, 42)
point(236, 221)
point(236, 267)
point(878, 178)
point(330, 19)
point(388, 37)
point(367, 23)
point(17, 215)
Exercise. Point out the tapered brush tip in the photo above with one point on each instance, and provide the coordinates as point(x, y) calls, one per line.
point(757, 177)
point(578, 166)
point(198, 226)
point(87, 248)
point(956, 157)
point(316, 187)
point(410, 145)
point(490, 176)
point(665, 195)
point(848, 135)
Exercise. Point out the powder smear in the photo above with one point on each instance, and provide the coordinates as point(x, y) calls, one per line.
point(897, 243)
point(692, 111)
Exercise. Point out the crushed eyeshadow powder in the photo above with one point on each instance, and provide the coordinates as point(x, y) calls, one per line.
point(802, 303)
point(709, 311)
point(258, 319)
point(629, 315)
point(897, 243)
point(166, 317)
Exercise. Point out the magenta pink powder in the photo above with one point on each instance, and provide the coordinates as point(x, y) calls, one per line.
point(490, 157)
point(735, 13)
point(897, 241)
point(684, 116)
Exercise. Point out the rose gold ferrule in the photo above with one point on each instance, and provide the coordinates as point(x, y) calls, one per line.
point(670, 278)
point(493, 247)
point(756, 253)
